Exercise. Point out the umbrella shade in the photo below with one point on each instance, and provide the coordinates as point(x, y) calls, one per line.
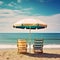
point(30, 24)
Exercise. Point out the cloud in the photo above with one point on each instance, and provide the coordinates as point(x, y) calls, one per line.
point(6, 13)
point(18, 1)
point(11, 4)
point(22, 12)
point(53, 24)
point(14, 6)
point(1, 2)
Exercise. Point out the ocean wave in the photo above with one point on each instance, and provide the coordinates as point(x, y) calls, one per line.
point(4, 46)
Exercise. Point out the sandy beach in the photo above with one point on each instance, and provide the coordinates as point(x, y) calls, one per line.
point(48, 54)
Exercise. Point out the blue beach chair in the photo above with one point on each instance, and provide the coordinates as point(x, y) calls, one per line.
point(38, 46)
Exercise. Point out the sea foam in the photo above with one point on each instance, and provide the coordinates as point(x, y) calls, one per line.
point(4, 46)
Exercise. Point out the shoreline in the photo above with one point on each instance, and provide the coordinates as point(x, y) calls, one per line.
point(4, 46)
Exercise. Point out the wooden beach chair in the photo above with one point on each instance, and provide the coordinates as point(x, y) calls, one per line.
point(38, 46)
point(22, 46)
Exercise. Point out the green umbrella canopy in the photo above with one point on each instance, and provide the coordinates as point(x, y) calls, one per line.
point(30, 24)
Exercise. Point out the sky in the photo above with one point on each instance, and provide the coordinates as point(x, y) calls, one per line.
point(47, 11)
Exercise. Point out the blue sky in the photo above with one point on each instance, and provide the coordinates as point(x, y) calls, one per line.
point(39, 7)
point(46, 10)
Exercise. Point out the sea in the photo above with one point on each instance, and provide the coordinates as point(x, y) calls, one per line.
point(8, 40)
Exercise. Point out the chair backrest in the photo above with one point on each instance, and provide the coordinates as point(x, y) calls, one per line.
point(21, 43)
point(38, 44)
point(22, 46)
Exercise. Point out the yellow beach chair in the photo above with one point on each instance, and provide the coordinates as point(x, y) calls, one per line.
point(22, 46)
point(38, 46)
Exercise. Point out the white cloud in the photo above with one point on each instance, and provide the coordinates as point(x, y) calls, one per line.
point(1, 2)
point(22, 12)
point(6, 13)
point(12, 4)
point(14, 13)
point(53, 23)
point(18, 1)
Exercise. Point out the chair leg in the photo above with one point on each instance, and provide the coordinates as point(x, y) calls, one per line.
point(41, 51)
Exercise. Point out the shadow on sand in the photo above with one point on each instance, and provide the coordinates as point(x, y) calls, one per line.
point(46, 55)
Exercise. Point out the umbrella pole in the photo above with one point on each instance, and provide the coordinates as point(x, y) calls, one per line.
point(29, 40)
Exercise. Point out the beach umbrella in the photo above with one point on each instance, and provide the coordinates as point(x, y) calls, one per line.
point(30, 24)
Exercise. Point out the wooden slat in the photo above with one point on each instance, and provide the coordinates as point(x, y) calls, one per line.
point(22, 46)
point(38, 45)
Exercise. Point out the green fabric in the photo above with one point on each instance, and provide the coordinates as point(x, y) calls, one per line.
point(30, 27)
